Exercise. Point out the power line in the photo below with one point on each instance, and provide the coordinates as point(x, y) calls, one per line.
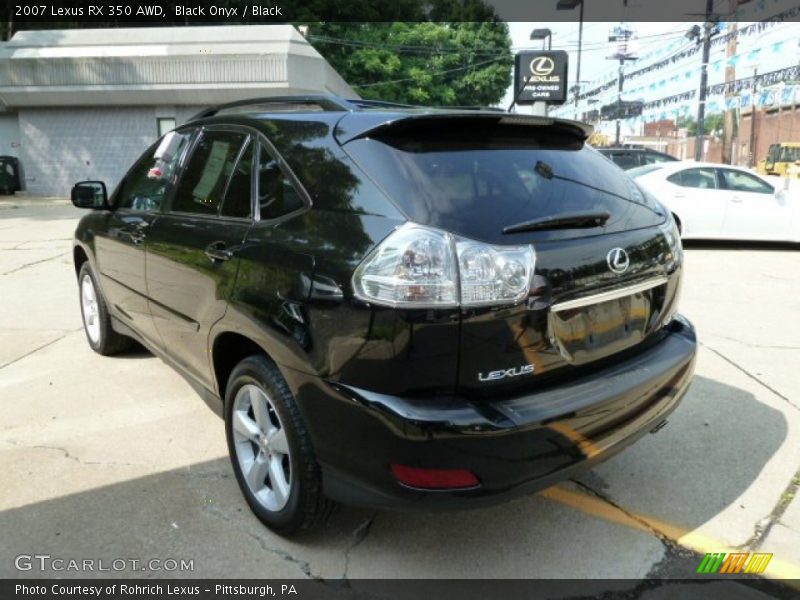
point(434, 74)
point(430, 50)
point(747, 83)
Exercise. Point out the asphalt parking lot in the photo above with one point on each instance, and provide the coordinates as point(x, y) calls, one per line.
point(119, 458)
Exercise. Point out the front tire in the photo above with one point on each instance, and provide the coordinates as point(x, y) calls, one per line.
point(96, 321)
point(270, 449)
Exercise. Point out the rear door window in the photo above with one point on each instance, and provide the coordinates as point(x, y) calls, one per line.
point(277, 195)
point(239, 195)
point(205, 177)
point(695, 178)
point(738, 181)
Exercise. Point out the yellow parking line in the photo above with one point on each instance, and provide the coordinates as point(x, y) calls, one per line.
point(593, 506)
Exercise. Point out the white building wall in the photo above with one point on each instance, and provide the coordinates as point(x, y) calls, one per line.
point(64, 145)
point(9, 135)
point(88, 102)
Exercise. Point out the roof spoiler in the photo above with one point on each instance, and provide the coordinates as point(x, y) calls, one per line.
point(348, 130)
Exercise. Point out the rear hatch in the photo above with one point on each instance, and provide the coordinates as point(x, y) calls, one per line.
point(498, 179)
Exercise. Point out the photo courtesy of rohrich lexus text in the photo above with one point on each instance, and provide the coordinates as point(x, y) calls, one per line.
point(453, 298)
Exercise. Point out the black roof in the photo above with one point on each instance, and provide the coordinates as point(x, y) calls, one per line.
point(362, 116)
point(318, 102)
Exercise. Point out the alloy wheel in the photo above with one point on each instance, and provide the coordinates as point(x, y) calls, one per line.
point(261, 447)
point(91, 310)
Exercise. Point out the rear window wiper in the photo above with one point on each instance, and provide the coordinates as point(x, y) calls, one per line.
point(563, 221)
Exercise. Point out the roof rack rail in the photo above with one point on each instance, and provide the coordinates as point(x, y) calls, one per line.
point(326, 102)
point(385, 104)
point(474, 107)
point(363, 103)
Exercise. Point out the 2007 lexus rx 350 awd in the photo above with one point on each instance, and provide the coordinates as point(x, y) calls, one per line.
point(392, 306)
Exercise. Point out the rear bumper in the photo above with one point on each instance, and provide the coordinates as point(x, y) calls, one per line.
point(515, 446)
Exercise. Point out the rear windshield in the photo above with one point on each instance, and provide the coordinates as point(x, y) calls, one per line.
point(475, 181)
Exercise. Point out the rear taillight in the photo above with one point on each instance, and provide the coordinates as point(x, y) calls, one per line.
point(435, 479)
point(422, 267)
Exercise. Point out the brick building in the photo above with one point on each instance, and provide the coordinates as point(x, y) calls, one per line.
point(83, 104)
point(774, 124)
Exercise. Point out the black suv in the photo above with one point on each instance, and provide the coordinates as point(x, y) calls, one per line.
point(392, 306)
point(630, 158)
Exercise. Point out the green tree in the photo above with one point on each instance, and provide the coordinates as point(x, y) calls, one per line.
point(712, 124)
point(451, 63)
point(436, 52)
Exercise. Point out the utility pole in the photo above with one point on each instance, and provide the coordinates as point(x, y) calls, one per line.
point(730, 77)
point(580, 50)
point(707, 31)
point(752, 161)
point(619, 100)
point(621, 35)
point(570, 5)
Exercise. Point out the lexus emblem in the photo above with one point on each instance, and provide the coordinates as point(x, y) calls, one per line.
point(618, 260)
point(542, 66)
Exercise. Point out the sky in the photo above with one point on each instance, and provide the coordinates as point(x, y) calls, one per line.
point(769, 47)
point(594, 61)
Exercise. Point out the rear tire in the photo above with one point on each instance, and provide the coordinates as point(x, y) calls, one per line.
point(96, 321)
point(270, 449)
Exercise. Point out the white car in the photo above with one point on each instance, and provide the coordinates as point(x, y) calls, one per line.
point(712, 201)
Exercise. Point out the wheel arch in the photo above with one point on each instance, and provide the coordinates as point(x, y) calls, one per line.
point(79, 256)
point(677, 221)
point(228, 349)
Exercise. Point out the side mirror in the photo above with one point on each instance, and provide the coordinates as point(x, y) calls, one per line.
point(90, 194)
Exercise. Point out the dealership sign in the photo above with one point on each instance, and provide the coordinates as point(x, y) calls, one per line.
point(541, 77)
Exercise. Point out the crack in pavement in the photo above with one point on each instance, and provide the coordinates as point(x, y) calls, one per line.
point(669, 543)
point(80, 461)
point(18, 249)
point(751, 345)
point(303, 565)
point(18, 244)
point(678, 565)
point(753, 377)
point(359, 534)
point(764, 525)
point(34, 263)
point(683, 588)
point(203, 474)
point(35, 350)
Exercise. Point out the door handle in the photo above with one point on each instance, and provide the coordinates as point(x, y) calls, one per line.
point(218, 251)
point(735, 199)
point(678, 195)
